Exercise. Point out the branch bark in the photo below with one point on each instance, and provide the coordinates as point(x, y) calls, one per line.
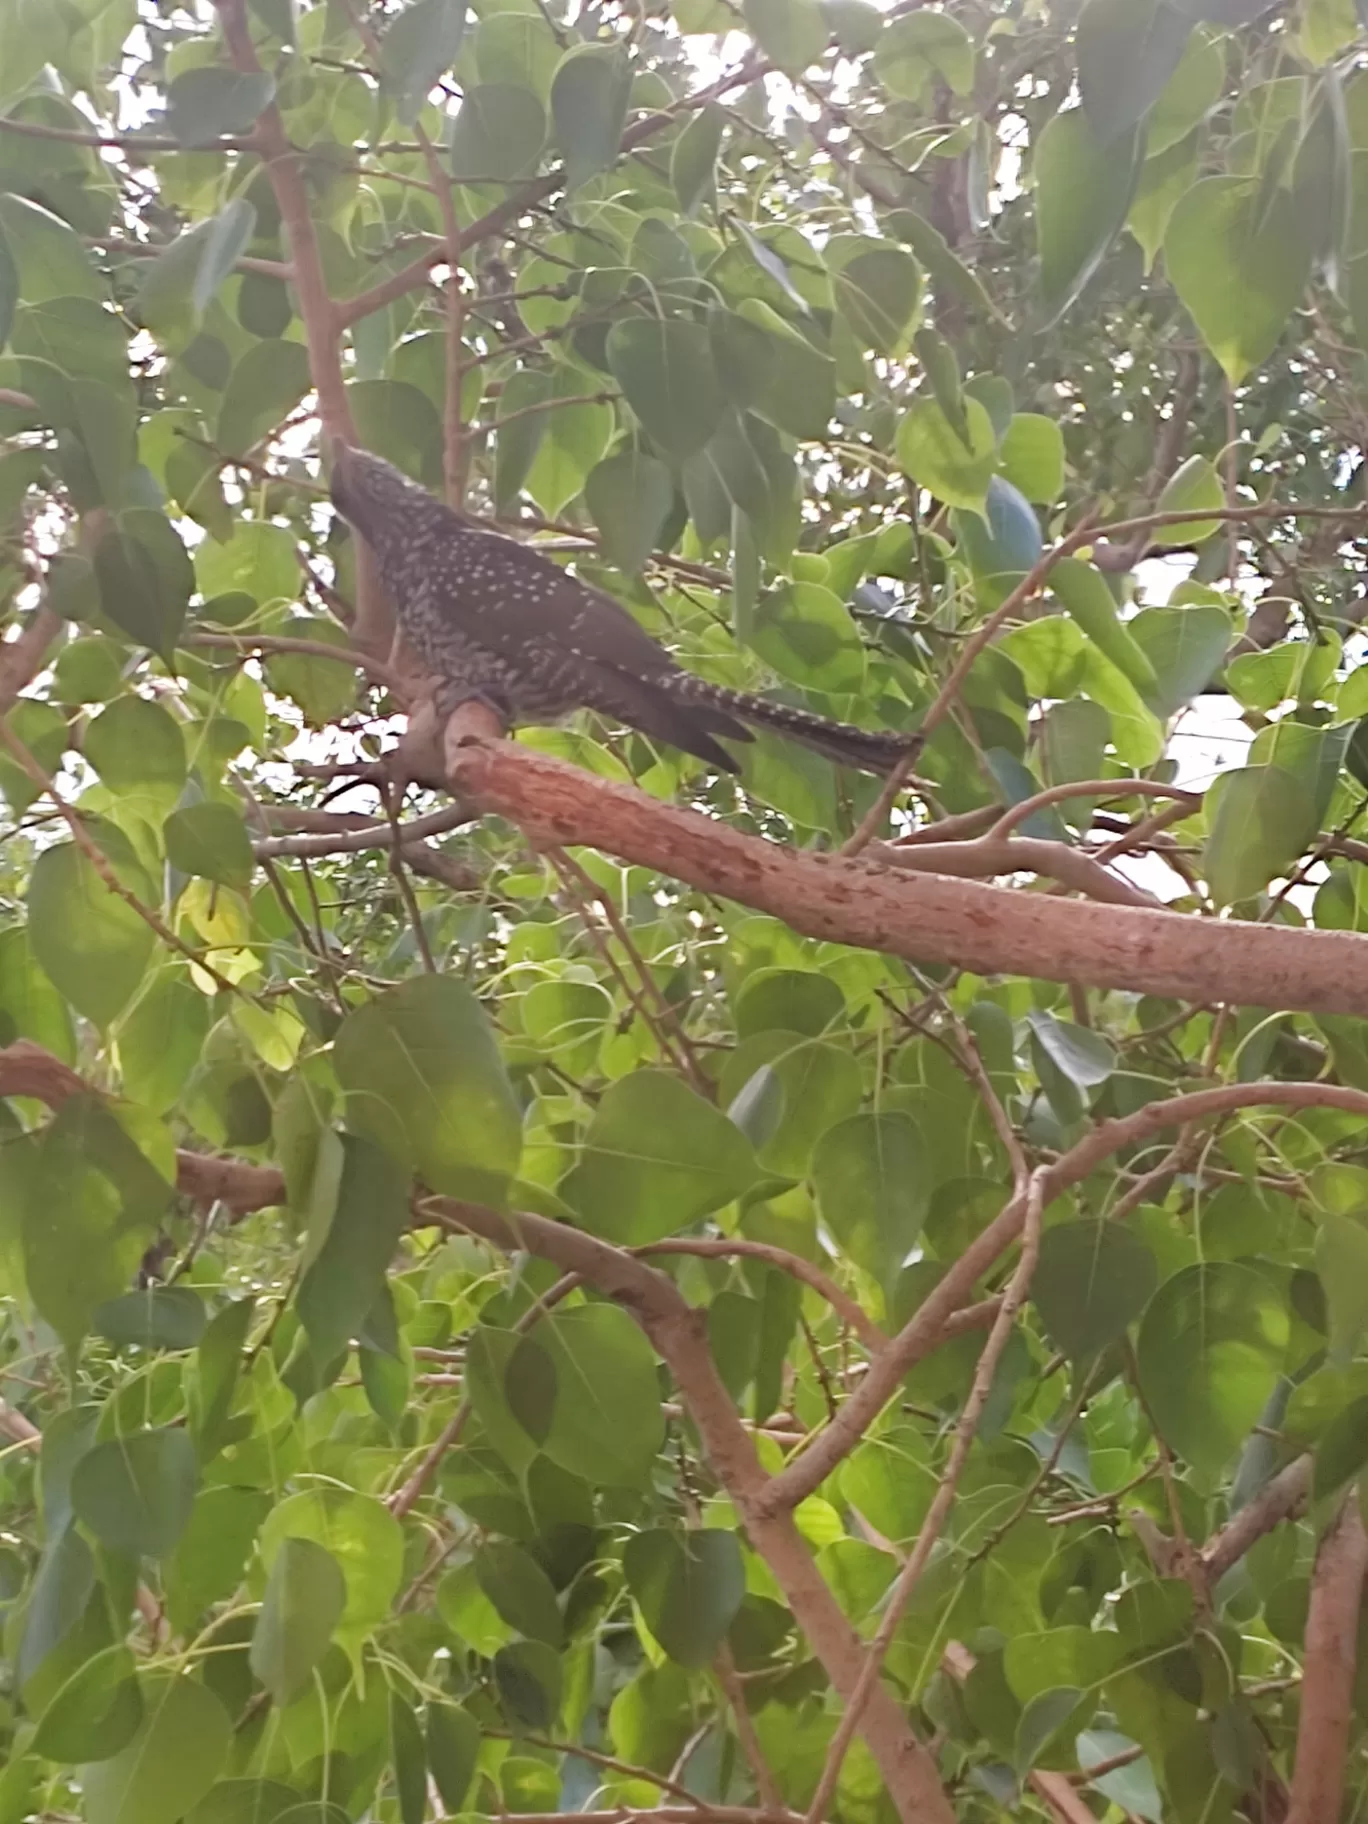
point(926, 919)
point(1327, 1696)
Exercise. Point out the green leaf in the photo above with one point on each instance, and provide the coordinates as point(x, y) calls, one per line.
point(630, 497)
point(259, 559)
point(1185, 647)
point(791, 33)
point(95, 1713)
point(1195, 486)
point(1091, 1283)
point(1261, 818)
point(160, 1039)
point(135, 1493)
point(688, 1587)
point(527, 1676)
point(607, 1425)
point(878, 290)
point(409, 1760)
point(9, 289)
point(589, 95)
point(1189, 95)
point(520, 1590)
point(420, 45)
point(1033, 457)
point(804, 632)
point(786, 1000)
point(498, 134)
point(931, 452)
point(154, 1317)
point(264, 388)
point(92, 946)
point(1087, 1058)
point(172, 1761)
point(249, 1802)
point(424, 1079)
point(1240, 263)
point(569, 1020)
point(342, 1281)
point(145, 577)
point(890, 1481)
point(921, 48)
point(206, 103)
point(183, 281)
point(305, 1596)
point(665, 369)
point(363, 1537)
point(656, 1157)
point(693, 159)
point(1127, 51)
point(211, 841)
point(1083, 591)
point(1210, 1347)
point(453, 1746)
point(138, 750)
point(873, 1182)
point(76, 335)
point(1002, 545)
point(211, 1554)
point(1342, 1263)
point(47, 253)
point(1083, 192)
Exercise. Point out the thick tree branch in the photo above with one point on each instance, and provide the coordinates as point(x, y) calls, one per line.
point(1327, 1695)
point(926, 919)
point(1283, 1496)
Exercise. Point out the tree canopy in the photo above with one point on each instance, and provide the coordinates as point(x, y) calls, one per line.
point(588, 1285)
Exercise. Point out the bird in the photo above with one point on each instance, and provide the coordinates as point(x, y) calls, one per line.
point(496, 622)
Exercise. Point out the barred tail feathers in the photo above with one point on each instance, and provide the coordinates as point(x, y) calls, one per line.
point(866, 750)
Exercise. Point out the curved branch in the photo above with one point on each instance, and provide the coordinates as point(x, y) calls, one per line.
point(926, 1325)
point(679, 1336)
point(989, 856)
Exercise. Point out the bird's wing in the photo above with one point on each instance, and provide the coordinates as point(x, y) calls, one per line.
point(544, 601)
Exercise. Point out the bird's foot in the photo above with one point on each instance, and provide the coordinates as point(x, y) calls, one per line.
point(469, 724)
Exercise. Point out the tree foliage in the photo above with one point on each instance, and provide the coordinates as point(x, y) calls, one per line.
point(580, 1294)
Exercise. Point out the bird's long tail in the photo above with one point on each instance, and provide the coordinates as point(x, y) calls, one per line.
point(867, 750)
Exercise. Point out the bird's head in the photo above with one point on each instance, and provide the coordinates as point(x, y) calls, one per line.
point(374, 497)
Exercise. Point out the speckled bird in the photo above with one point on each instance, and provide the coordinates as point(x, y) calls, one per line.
point(496, 622)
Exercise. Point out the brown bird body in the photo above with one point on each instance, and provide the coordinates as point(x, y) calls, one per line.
point(500, 624)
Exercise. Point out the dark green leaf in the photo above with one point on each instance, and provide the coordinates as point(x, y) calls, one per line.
point(1092, 1281)
point(210, 840)
point(170, 1764)
point(96, 1712)
point(343, 1279)
point(589, 95)
point(453, 1744)
point(498, 133)
point(138, 750)
point(693, 158)
point(420, 45)
point(873, 1184)
point(665, 369)
point(1239, 266)
point(1127, 50)
point(155, 1317)
point(791, 33)
point(1260, 820)
point(656, 1157)
point(688, 1587)
point(607, 1425)
point(136, 1493)
point(263, 389)
point(92, 945)
point(305, 1597)
point(1210, 1347)
point(630, 497)
point(1083, 192)
point(933, 454)
point(520, 1590)
point(204, 104)
point(424, 1079)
